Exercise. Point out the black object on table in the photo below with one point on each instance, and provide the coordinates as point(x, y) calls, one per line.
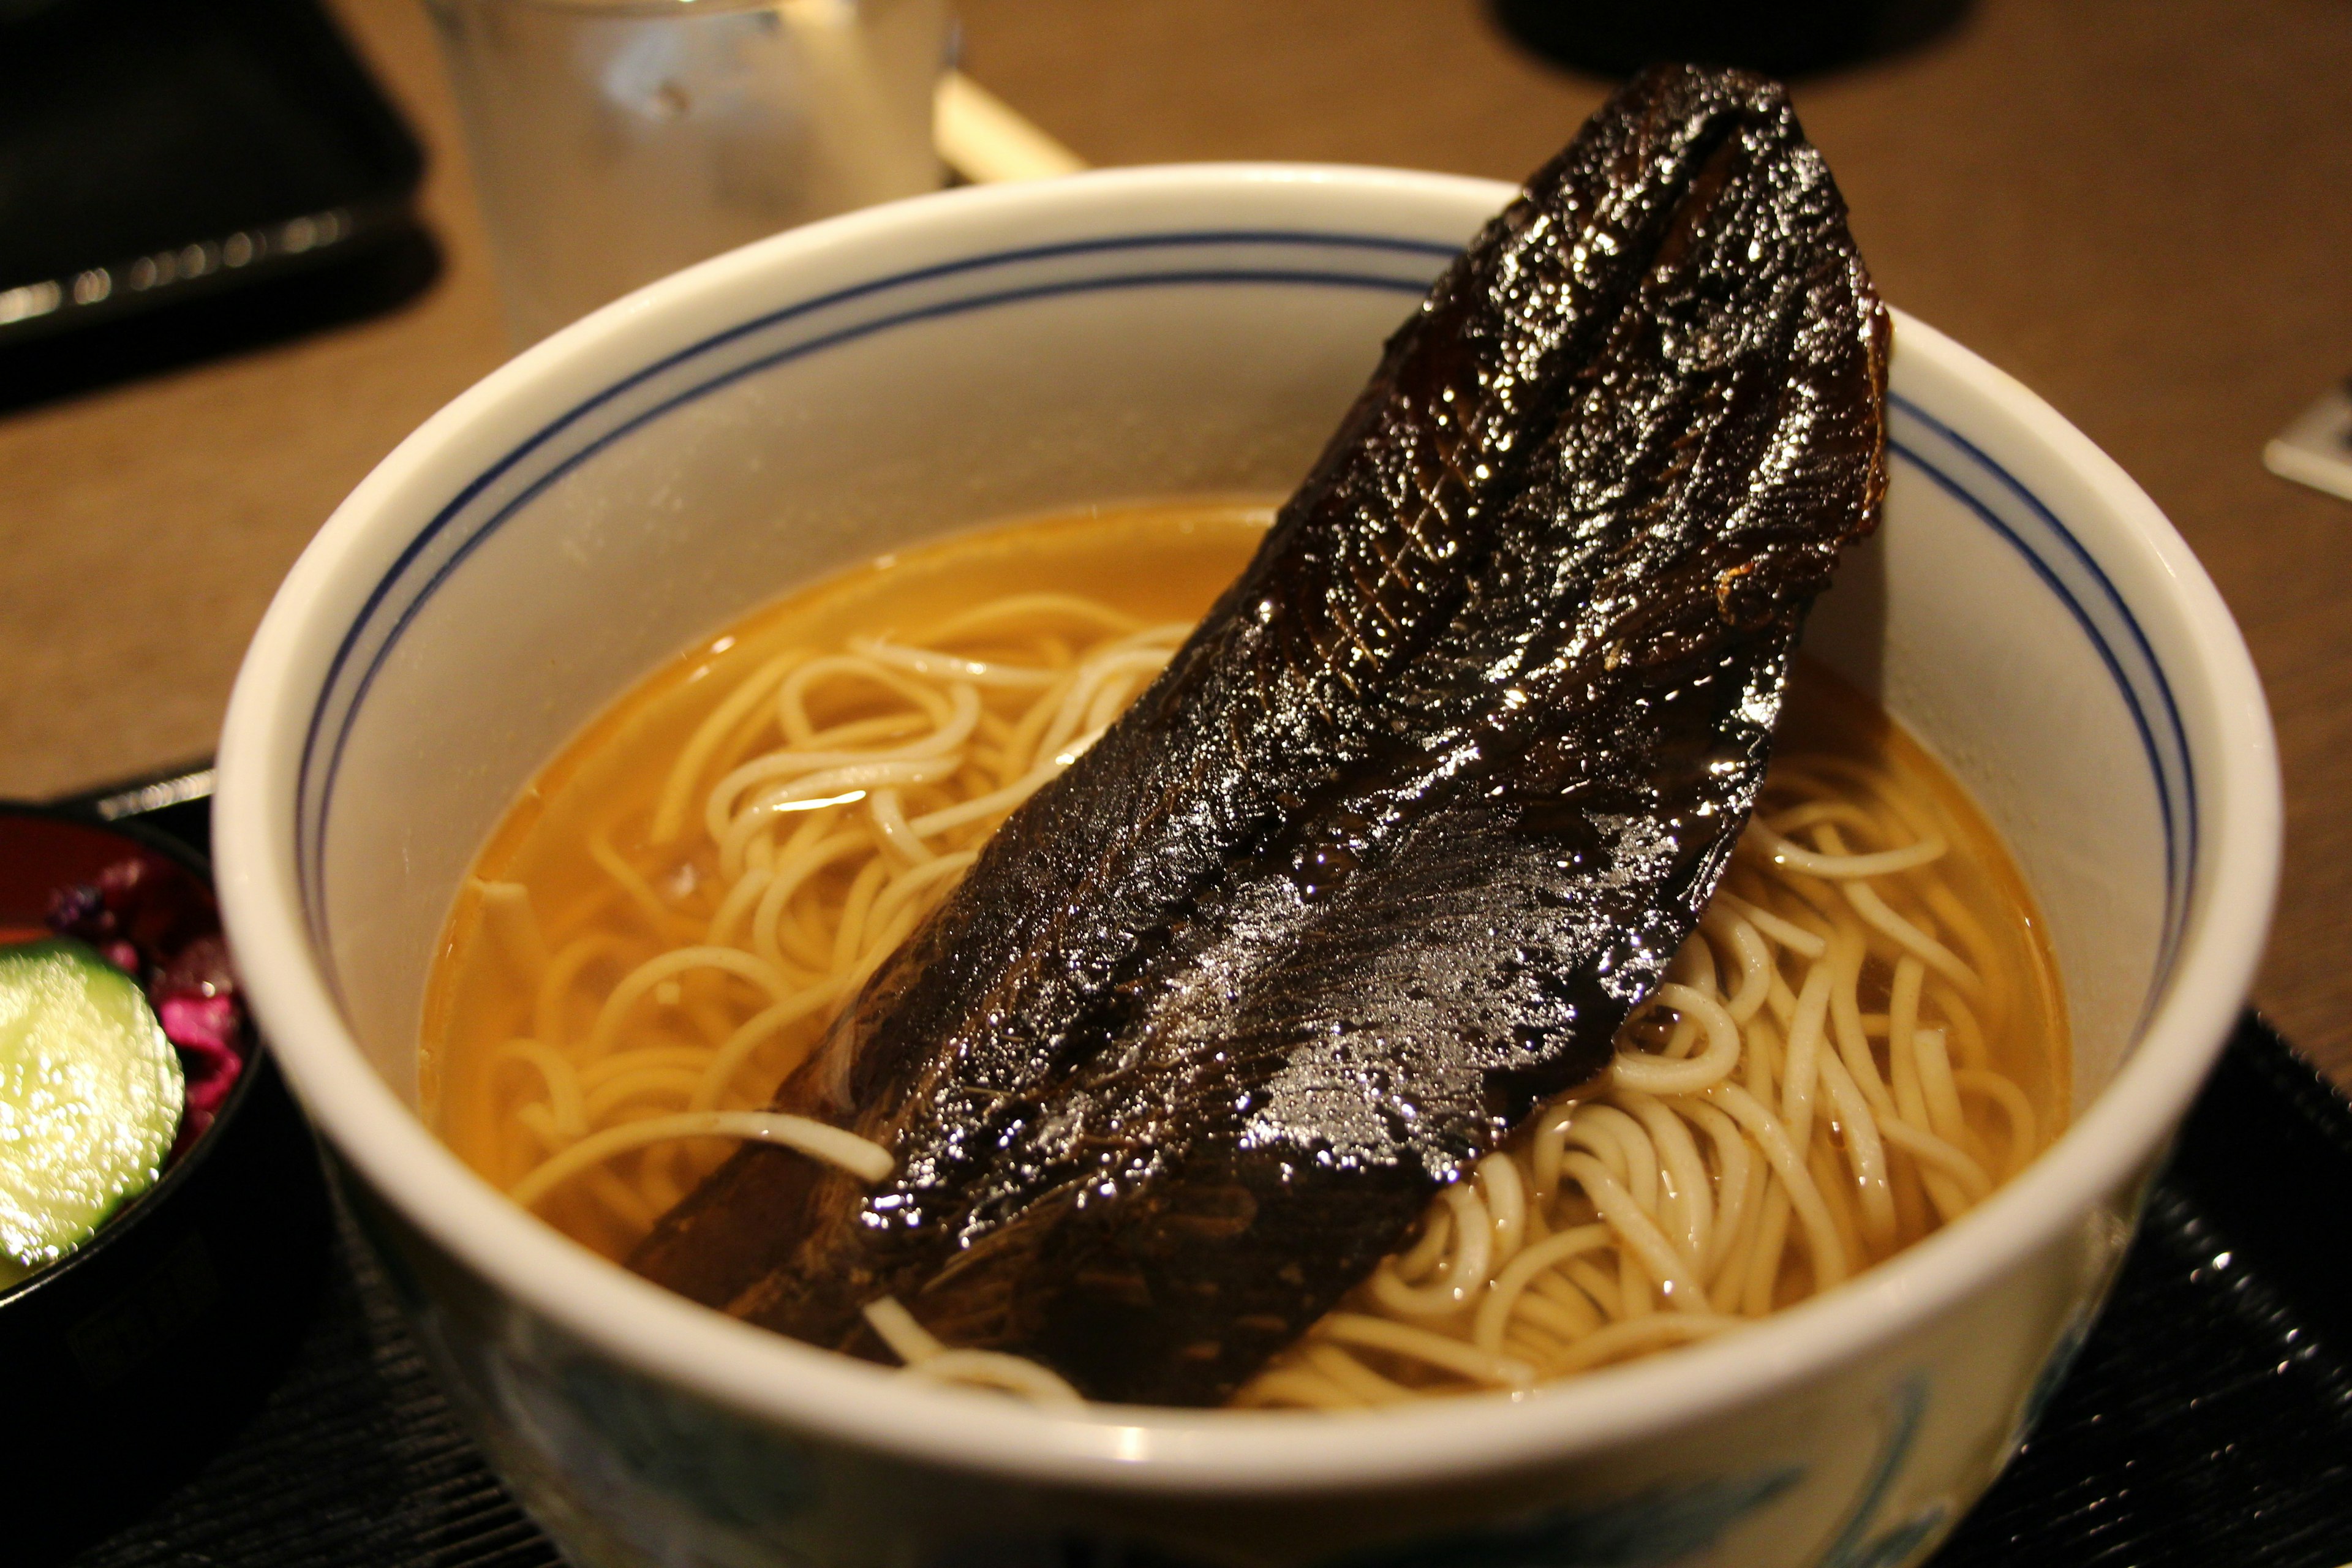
point(177, 180)
point(1779, 38)
point(2206, 1420)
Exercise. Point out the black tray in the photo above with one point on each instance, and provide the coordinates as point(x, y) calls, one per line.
point(2207, 1420)
point(179, 180)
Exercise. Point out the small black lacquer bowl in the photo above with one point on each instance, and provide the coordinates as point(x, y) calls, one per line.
point(125, 1363)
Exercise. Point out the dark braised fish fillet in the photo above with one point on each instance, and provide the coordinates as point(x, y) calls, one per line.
point(1407, 828)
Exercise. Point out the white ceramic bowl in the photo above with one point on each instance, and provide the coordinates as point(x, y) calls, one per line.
point(825, 395)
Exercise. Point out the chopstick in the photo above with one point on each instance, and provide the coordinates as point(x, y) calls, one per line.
point(988, 142)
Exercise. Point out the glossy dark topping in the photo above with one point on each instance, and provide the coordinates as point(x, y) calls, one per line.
point(1409, 825)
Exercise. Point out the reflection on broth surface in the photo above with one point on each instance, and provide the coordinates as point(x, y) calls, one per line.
point(1859, 1043)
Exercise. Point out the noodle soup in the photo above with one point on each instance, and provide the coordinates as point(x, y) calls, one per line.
point(1860, 1042)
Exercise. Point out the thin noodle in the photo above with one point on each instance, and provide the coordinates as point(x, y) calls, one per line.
point(513, 924)
point(1367, 1386)
point(1620, 1340)
point(677, 789)
point(831, 1144)
point(1447, 1354)
point(994, 1369)
point(1494, 1311)
point(2024, 1132)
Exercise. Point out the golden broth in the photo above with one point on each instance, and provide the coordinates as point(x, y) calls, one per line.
point(1154, 563)
point(546, 1028)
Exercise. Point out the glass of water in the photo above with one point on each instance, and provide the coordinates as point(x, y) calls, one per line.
point(614, 141)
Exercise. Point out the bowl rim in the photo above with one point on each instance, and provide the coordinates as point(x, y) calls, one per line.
point(820, 1396)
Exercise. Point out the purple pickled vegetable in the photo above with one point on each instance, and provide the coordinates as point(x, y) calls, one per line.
point(158, 924)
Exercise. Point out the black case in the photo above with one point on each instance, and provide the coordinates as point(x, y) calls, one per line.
point(158, 157)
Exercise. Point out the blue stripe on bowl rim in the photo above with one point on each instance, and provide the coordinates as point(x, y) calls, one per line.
point(1940, 454)
point(2074, 577)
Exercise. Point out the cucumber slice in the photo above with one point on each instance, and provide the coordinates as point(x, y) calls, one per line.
point(90, 1097)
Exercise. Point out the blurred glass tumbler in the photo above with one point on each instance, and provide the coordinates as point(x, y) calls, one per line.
point(614, 141)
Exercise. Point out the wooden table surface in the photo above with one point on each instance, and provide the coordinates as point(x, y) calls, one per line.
point(2143, 211)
